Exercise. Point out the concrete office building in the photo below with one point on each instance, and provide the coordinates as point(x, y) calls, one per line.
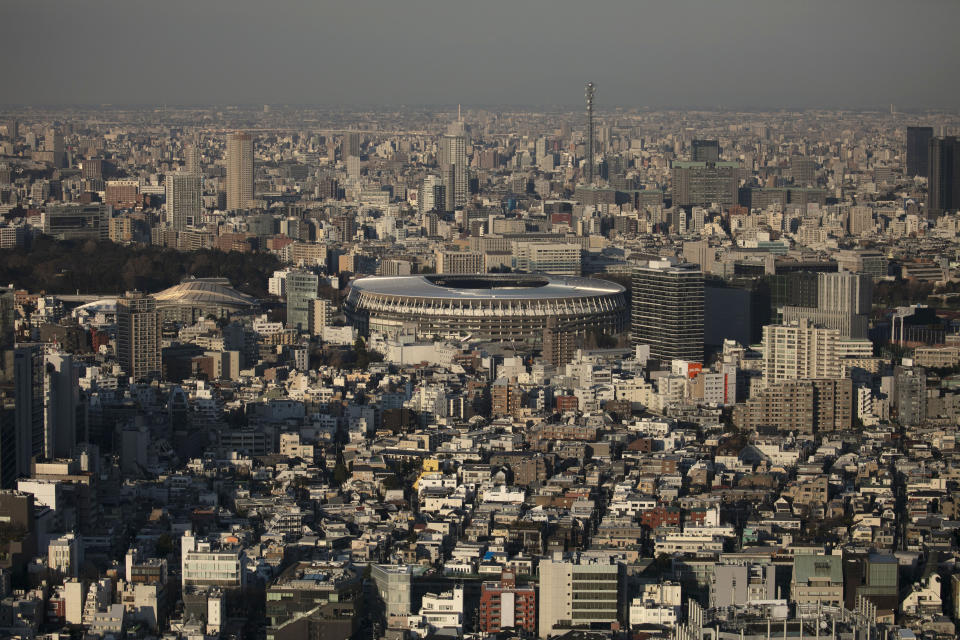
point(239, 171)
point(8, 408)
point(122, 194)
point(860, 220)
point(577, 595)
point(803, 170)
point(65, 555)
point(77, 221)
point(817, 580)
point(667, 310)
point(138, 336)
point(705, 151)
point(869, 262)
point(305, 586)
point(874, 576)
point(741, 584)
point(704, 183)
point(394, 588)
point(844, 292)
point(843, 302)
point(53, 146)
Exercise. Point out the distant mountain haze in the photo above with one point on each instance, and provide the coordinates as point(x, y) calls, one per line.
point(682, 53)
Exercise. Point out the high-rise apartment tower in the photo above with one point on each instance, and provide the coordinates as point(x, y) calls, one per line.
point(184, 202)
point(239, 171)
point(138, 336)
point(453, 165)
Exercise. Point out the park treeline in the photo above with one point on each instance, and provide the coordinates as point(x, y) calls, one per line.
point(91, 266)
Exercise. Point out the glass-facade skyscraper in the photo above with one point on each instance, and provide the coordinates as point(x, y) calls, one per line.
point(302, 287)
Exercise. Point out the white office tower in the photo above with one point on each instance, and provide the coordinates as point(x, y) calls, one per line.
point(184, 200)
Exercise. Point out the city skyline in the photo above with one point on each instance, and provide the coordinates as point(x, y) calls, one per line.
point(286, 369)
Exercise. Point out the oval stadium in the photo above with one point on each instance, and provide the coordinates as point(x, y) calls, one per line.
point(487, 307)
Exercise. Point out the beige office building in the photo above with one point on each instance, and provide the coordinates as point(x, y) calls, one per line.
point(461, 262)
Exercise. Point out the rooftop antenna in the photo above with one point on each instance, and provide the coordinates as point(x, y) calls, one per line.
point(459, 119)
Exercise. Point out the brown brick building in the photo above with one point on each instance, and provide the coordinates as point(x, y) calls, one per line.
point(801, 406)
point(504, 605)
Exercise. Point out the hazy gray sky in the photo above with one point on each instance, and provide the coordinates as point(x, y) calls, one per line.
point(747, 53)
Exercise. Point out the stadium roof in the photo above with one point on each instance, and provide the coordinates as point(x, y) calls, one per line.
point(205, 292)
point(487, 286)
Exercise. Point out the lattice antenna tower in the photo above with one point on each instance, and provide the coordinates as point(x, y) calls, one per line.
point(589, 93)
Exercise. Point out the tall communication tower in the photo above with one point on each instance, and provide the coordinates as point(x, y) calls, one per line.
point(589, 95)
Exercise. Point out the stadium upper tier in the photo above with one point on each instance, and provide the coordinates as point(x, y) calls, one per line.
point(489, 307)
